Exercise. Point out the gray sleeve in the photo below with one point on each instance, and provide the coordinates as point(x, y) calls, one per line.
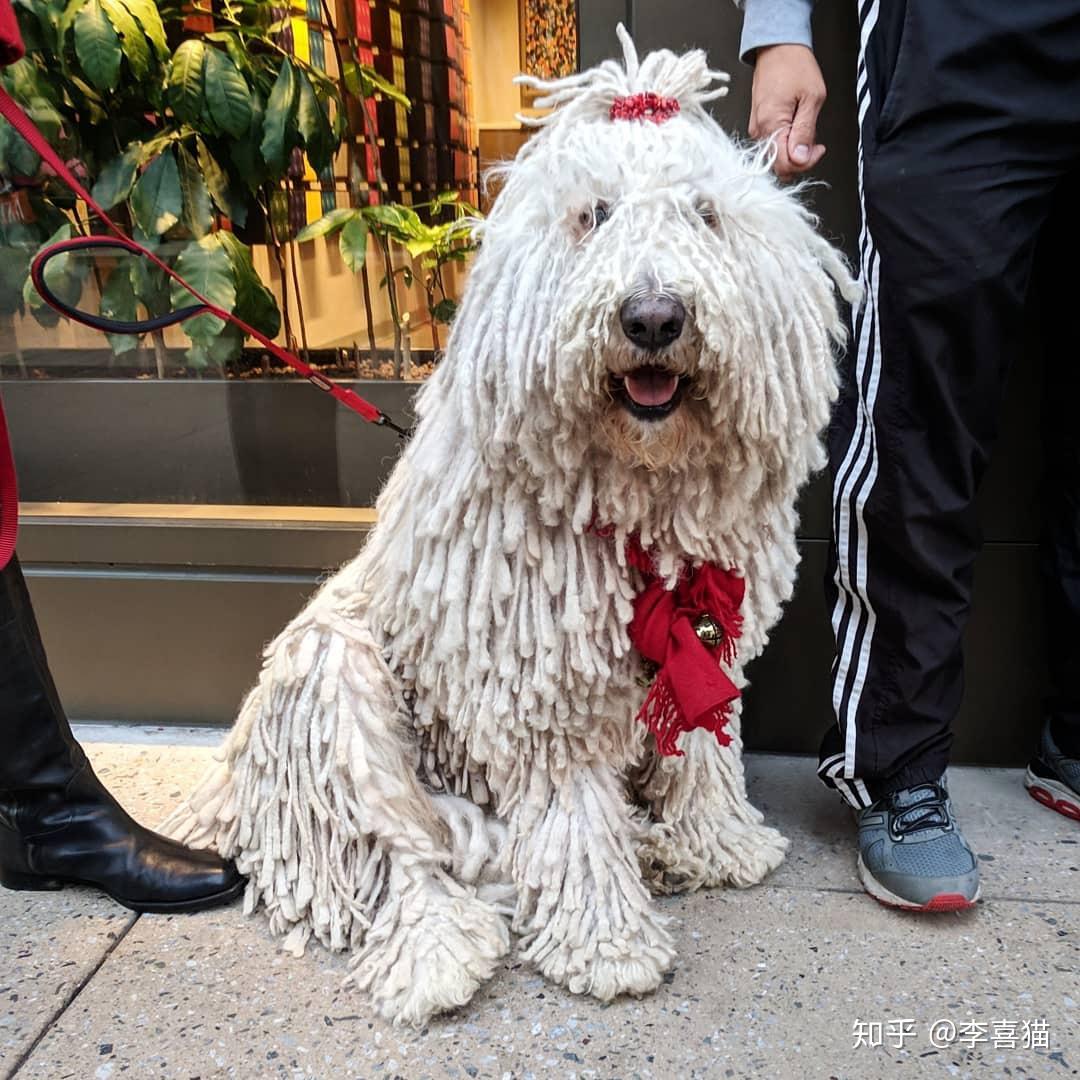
point(774, 22)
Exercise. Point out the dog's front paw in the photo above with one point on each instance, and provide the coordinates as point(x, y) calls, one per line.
point(635, 965)
point(753, 853)
point(428, 952)
point(713, 851)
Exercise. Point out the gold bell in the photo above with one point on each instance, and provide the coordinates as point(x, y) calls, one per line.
point(710, 633)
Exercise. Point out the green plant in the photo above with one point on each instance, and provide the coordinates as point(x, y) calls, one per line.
point(173, 130)
point(436, 245)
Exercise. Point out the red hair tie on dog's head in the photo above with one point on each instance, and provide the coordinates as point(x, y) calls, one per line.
point(648, 106)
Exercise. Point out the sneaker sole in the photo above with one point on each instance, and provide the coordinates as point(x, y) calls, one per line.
point(941, 903)
point(1053, 795)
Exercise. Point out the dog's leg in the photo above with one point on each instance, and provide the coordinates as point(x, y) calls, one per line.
point(319, 803)
point(587, 919)
point(706, 832)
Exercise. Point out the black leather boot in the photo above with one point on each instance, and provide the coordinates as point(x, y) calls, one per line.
point(58, 824)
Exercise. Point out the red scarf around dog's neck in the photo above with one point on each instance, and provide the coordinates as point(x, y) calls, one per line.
point(690, 689)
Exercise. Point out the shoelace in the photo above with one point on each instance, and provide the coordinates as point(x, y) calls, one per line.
point(929, 812)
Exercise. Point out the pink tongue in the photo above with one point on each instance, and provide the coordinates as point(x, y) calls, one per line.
point(650, 386)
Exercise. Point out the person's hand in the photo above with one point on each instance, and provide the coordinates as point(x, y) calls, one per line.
point(787, 96)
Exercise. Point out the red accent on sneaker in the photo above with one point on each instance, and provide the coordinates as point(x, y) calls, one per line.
point(949, 902)
point(941, 902)
point(1062, 806)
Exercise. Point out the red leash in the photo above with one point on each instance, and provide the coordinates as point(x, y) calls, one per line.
point(11, 111)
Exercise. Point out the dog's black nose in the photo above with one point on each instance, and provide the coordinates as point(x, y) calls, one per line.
point(652, 322)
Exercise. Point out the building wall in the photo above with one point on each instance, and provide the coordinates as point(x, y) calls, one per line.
point(497, 56)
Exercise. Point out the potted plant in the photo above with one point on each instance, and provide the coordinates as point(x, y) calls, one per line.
point(187, 134)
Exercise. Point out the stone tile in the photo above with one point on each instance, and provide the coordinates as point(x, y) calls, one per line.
point(149, 780)
point(49, 943)
point(770, 983)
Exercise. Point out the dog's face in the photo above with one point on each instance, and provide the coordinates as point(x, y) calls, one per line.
point(651, 275)
point(646, 291)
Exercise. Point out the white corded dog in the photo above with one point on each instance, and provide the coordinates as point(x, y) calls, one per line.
point(452, 740)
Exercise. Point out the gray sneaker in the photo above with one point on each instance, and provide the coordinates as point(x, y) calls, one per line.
point(912, 855)
point(1053, 778)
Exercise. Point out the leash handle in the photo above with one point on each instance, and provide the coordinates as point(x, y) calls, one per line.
point(13, 113)
point(99, 322)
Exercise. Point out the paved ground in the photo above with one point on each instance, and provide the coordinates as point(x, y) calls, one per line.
point(776, 981)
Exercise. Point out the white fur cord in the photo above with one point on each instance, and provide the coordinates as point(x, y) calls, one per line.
point(443, 742)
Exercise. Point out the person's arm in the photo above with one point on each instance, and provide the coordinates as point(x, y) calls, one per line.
point(788, 89)
point(774, 22)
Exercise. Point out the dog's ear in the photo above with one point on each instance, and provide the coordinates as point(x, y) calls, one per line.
point(780, 331)
point(500, 349)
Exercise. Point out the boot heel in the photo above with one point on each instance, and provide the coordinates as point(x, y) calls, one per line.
point(20, 882)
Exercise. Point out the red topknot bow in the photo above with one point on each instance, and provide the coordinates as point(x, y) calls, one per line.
point(691, 689)
point(648, 106)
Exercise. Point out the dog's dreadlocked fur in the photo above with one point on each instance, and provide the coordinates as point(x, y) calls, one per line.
point(442, 746)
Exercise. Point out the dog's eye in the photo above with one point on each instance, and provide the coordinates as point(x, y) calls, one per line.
point(594, 217)
point(707, 213)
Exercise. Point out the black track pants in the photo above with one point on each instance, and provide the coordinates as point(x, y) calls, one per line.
point(969, 116)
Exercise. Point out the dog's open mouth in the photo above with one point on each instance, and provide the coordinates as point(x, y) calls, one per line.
point(649, 392)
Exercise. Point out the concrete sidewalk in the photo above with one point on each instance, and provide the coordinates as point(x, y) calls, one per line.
point(776, 981)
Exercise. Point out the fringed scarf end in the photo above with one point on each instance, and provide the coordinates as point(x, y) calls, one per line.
point(667, 722)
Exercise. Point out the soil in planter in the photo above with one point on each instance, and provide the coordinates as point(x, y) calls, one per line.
point(252, 364)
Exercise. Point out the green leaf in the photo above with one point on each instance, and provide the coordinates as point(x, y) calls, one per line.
point(38, 32)
point(313, 125)
point(198, 214)
point(118, 302)
point(383, 218)
point(64, 275)
point(364, 81)
point(416, 248)
point(146, 12)
point(280, 116)
point(328, 223)
point(97, 46)
point(19, 241)
point(49, 122)
point(156, 200)
point(116, 179)
point(67, 19)
point(227, 94)
point(19, 158)
point(197, 357)
point(226, 346)
point(185, 86)
point(445, 310)
point(255, 303)
point(132, 40)
point(353, 244)
point(25, 82)
point(227, 199)
point(150, 284)
point(245, 152)
point(206, 266)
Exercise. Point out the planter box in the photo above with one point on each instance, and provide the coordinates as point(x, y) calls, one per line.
point(250, 442)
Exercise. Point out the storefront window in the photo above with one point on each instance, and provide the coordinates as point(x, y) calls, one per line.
point(311, 168)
